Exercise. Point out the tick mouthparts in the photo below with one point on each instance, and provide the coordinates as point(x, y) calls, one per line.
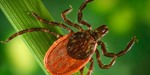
point(104, 26)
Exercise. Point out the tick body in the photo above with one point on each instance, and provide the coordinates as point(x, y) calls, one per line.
point(71, 52)
point(67, 55)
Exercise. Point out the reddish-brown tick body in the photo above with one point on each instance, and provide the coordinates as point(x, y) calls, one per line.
point(70, 53)
point(58, 60)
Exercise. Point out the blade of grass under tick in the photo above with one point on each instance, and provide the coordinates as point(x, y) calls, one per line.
point(37, 42)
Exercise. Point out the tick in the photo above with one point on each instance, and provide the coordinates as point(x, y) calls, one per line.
point(71, 52)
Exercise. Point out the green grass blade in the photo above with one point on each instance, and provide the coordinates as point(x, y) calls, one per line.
point(37, 42)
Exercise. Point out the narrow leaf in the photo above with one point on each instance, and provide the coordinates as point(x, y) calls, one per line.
point(37, 42)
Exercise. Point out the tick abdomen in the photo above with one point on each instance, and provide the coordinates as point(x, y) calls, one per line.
point(58, 61)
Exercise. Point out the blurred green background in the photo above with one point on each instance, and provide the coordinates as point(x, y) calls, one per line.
point(124, 18)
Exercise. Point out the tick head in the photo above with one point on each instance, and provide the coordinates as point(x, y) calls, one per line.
point(99, 32)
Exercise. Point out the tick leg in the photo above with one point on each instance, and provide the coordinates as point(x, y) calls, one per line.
point(50, 22)
point(68, 21)
point(129, 46)
point(80, 15)
point(91, 67)
point(101, 65)
point(81, 71)
point(31, 30)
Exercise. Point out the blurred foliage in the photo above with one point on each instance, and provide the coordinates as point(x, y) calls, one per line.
point(124, 18)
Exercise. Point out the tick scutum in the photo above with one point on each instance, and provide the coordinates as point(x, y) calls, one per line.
point(80, 45)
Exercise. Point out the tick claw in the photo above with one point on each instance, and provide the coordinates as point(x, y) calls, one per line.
point(3, 42)
point(136, 38)
point(29, 12)
point(70, 6)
